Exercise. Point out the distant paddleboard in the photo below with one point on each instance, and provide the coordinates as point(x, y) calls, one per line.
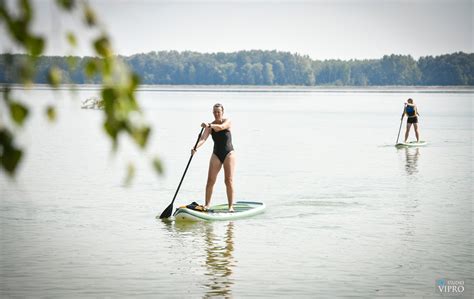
point(242, 209)
point(411, 144)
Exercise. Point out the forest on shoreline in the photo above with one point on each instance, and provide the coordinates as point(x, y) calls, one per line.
point(257, 67)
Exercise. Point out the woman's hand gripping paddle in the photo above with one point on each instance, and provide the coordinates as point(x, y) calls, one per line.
point(169, 210)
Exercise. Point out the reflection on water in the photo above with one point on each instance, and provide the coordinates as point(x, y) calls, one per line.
point(219, 262)
point(411, 154)
point(218, 253)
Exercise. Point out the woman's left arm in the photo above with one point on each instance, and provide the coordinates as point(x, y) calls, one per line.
point(225, 125)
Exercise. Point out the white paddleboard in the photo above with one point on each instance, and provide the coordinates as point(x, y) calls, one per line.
point(242, 209)
point(411, 144)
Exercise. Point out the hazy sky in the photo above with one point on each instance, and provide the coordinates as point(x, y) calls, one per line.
point(320, 29)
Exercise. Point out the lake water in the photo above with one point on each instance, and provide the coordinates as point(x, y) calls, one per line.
point(348, 214)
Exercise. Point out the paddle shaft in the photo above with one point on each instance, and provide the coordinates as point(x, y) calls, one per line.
point(170, 207)
point(401, 122)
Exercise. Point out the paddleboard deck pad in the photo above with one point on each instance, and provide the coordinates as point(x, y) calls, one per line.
point(242, 209)
point(411, 144)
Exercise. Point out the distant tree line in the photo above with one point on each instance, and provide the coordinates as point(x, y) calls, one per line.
point(258, 67)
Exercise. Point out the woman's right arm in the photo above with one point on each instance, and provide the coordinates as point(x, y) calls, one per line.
point(203, 139)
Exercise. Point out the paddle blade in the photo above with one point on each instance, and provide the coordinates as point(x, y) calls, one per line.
point(167, 212)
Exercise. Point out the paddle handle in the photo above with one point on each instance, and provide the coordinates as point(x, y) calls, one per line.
point(399, 130)
point(401, 122)
point(187, 166)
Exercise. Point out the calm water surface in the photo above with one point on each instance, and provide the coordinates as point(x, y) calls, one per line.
point(348, 215)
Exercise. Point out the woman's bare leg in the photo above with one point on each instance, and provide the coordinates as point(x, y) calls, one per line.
point(416, 132)
point(408, 131)
point(214, 168)
point(229, 167)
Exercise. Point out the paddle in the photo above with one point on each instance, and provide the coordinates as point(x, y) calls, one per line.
point(401, 122)
point(169, 210)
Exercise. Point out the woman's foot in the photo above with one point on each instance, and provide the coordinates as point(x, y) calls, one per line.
point(231, 209)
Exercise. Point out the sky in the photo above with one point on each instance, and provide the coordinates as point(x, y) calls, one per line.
point(349, 29)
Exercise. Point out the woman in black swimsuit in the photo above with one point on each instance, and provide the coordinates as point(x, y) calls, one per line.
point(411, 111)
point(223, 154)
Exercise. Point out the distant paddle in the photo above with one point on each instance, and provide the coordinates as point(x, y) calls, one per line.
point(169, 210)
point(401, 122)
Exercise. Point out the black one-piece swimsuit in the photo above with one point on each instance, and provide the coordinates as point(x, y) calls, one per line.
point(222, 143)
point(412, 118)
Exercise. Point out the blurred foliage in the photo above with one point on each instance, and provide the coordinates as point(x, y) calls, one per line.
point(158, 165)
point(119, 84)
point(130, 174)
point(51, 113)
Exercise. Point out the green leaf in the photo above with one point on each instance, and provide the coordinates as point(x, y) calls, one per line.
point(111, 127)
point(71, 39)
point(135, 81)
point(91, 68)
point(35, 45)
point(10, 156)
point(130, 174)
point(6, 138)
point(89, 16)
point(108, 64)
point(102, 47)
point(18, 113)
point(26, 10)
point(51, 113)
point(109, 96)
point(3, 13)
point(141, 136)
point(66, 4)
point(54, 76)
point(158, 166)
point(10, 159)
point(17, 29)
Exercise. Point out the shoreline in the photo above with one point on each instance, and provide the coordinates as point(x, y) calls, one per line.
point(261, 88)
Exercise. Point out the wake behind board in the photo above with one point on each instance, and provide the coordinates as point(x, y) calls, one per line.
point(242, 209)
point(411, 144)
